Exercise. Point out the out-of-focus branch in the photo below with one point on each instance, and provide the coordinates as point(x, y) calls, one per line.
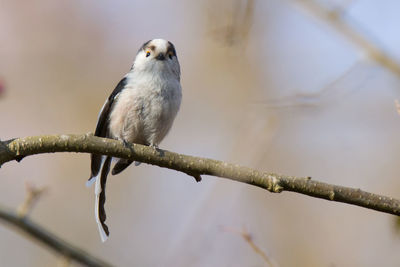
point(32, 195)
point(16, 149)
point(231, 27)
point(249, 239)
point(53, 242)
point(397, 105)
point(336, 19)
point(330, 93)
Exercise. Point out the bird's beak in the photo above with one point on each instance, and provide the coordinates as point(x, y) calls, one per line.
point(160, 56)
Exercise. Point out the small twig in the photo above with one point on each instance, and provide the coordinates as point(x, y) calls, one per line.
point(64, 261)
point(397, 104)
point(32, 196)
point(336, 19)
point(244, 233)
point(329, 93)
point(233, 27)
point(53, 242)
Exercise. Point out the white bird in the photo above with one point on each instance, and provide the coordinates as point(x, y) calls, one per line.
point(141, 110)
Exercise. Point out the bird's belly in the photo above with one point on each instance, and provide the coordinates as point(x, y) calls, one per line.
point(143, 119)
point(156, 119)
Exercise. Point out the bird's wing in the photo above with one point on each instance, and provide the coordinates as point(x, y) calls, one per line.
point(102, 126)
point(102, 122)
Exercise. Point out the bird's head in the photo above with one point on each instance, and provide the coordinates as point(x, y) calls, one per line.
point(157, 55)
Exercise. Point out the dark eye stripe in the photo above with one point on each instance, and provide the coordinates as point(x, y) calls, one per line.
point(171, 51)
point(171, 48)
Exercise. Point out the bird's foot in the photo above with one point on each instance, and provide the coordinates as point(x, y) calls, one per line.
point(126, 143)
point(154, 146)
point(160, 151)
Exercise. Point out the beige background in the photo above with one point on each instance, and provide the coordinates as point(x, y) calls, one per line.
point(266, 84)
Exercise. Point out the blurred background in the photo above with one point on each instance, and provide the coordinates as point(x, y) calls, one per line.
point(297, 87)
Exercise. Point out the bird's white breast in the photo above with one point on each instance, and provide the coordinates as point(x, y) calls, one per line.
point(145, 110)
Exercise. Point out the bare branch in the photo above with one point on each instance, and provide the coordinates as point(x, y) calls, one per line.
point(335, 17)
point(32, 196)
point(194, 166)
point(50, 240)
point(397, 104)
point(249, 239)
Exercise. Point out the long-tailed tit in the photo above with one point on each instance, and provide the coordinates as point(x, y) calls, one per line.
point(141, 110)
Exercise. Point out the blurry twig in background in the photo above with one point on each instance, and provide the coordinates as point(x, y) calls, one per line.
point(249, 239)
point(32, 196)
point(64, 262)
point(397, 104)
point(231, 27)
point(336, 18)
point(397, 225)
point(327, 94)
point(2, 87)
point(53, 242)
point(397, 220)
point(194, 166)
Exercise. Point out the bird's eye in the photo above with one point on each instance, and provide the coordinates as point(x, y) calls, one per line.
point(170, 54)
point(147, 53)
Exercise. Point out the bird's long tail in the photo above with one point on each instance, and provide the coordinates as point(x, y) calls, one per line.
point(100, 192)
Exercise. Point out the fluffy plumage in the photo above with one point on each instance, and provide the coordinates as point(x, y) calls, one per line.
point(141, 109)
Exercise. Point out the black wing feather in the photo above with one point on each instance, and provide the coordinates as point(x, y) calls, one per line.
point(102, 125)
point(121, 165)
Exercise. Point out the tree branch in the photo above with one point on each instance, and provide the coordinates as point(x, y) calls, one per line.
point(336, 18)
point(16, 149)
point(50, 240)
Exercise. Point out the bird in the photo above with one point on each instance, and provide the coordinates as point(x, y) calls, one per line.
point(141, 110)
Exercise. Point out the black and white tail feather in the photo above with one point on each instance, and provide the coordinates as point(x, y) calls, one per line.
point(141, 109)
point(100, 165)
